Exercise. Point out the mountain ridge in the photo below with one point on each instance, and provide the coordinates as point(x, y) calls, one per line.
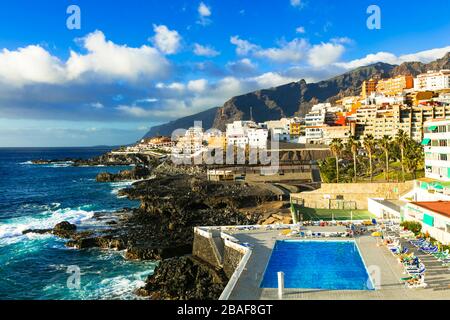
point(295, 98)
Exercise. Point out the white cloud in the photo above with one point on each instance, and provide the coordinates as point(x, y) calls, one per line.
point(387, 57)
point(243, 47)
point(204, 13)
point(205, 51)
point(204, 10)
point(297, 3)
point(177, 86)
point(300, 30)
point(292, 51)
point(243, 66)
point(167, 41)
point(198, 86)
point(97, 105)
point(271, 79)
point(31, 64)
point(109, 60)
point(323, 54)
point(104, 60)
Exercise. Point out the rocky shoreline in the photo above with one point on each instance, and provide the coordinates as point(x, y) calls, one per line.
point(174, 201)
point(107, 159)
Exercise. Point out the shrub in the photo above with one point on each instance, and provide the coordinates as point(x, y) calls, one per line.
point(415, 227)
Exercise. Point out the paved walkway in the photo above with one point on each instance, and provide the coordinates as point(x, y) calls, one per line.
point(375, 257)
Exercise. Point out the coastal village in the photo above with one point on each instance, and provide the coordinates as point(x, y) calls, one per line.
point(400, 126)
point(365, 179)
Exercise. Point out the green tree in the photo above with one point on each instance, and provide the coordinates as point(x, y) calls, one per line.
point(369, 144)
point(353, 146)
point(336, 148)
point(401, 140)
point(385, 144)
point(414, 157)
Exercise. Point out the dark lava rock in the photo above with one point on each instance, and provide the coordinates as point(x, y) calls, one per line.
point(151, 253)
point(64, 229)
point(136, 173)
point(184, 278)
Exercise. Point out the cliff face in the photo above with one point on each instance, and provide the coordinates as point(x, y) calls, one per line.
point(296, 98)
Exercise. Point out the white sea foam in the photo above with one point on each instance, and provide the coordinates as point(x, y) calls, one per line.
point(11, 230)
point(117, 186)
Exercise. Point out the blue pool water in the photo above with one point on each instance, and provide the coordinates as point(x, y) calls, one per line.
point(327, 265)
point(39, 196)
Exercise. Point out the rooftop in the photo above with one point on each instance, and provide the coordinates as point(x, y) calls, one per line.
point(441, 207)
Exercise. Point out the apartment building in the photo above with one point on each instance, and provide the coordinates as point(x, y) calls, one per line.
point(395, 86)
point(433, 81)
point(437, 150)
point(388, 120)
point(368, 86)
point(191, 142)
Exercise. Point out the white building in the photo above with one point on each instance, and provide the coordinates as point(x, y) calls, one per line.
point(436, 184)
point(376, 98)
point(433, 81)
point(246, 133)
point(437, 149)
point(191, 142)
point(281, 134)
point(321, 115)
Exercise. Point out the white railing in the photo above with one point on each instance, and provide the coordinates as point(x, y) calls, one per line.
point(236, 275)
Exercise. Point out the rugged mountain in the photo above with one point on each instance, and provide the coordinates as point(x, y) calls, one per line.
point(207, 118)
point(415, 68)
point(296, 98)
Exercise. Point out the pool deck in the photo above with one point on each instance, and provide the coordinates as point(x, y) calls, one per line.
point(375, 257)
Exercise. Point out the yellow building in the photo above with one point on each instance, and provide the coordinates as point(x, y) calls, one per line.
point(295, 129)
point(395, 86)
point(368, 87)
point(419, 96)
point(217, 142)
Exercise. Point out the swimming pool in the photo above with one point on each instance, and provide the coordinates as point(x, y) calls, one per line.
point(327, 265)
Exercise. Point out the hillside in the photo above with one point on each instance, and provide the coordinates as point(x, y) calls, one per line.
point(295, 98)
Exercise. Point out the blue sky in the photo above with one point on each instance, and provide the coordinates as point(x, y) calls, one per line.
point(137, 63)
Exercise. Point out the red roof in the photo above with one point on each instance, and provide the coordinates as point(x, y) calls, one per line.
point(441, 207)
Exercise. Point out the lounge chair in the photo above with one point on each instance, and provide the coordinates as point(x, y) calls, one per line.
point(441, 255)
point(430, 250)
point(416, 283)
point(416, 271)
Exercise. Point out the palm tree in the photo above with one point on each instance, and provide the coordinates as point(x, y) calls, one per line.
point(385, 144)
point(369, 144)
point(336, 148)
point(353, 145)
point(402, 140)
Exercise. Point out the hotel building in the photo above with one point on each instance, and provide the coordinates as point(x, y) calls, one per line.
point(433, 81)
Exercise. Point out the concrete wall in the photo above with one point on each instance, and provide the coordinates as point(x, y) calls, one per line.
point(231, 260)
point(204, 250)
point(350, 195)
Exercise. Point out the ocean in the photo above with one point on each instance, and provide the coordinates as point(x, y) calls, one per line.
point(38, 267)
